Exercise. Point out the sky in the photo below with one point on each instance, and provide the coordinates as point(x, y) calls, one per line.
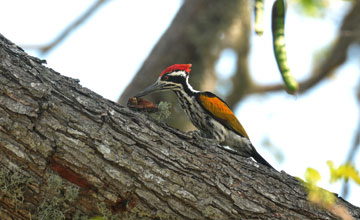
point(107, 50)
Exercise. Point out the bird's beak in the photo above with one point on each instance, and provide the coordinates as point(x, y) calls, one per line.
point(156, 87)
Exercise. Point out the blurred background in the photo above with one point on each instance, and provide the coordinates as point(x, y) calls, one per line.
point(116, 48)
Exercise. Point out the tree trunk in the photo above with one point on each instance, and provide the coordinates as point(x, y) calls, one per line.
point(68, 153)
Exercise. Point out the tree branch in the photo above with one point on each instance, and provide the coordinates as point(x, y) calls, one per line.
point(67, 31)
point(66, 151)
point(352, 152)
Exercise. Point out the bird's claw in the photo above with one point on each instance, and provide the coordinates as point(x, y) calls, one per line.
point(202, 136)
point(196, 134)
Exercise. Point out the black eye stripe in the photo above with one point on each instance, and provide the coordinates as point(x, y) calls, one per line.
point(167, 78)
point(176, 79)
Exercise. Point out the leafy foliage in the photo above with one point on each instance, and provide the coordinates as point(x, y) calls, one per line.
point(346, 171)
point(313, 8)
point(316, 194)
point(323, 197)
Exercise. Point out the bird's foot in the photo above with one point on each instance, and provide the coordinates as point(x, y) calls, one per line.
point(196, 134)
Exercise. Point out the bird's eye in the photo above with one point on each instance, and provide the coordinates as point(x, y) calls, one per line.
point(165, 78)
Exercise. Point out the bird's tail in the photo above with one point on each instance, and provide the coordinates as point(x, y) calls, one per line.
point(259, 158)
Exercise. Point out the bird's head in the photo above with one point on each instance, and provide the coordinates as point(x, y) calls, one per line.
point(172, 78)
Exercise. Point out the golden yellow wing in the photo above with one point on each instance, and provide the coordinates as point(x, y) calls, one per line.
point(221, 112)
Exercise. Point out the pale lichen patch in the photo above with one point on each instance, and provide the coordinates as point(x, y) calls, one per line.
point(75, 132)
point(14, 149)
point(40, 89)
point(113, 173)
point(151, 176)
point(181, 193)
point(104, 149)
point(246, 204)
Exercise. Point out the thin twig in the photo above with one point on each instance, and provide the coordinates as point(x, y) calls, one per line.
point(352, 153)
point(67, 31)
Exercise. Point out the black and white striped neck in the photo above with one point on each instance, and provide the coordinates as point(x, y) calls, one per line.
point(188, 89)
point(186, 93)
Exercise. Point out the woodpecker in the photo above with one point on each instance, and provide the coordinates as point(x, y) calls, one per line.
point(209, 113)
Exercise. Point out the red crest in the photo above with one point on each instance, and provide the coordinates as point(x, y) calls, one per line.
point(177, 67)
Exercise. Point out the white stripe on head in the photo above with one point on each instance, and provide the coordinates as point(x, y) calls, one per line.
point(178, 73)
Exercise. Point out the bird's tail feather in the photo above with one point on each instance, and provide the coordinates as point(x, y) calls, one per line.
point(259, 158)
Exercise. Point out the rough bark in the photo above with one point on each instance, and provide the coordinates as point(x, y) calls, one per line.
point(68, 152)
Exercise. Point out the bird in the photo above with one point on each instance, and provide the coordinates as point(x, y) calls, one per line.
point(208, 113)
